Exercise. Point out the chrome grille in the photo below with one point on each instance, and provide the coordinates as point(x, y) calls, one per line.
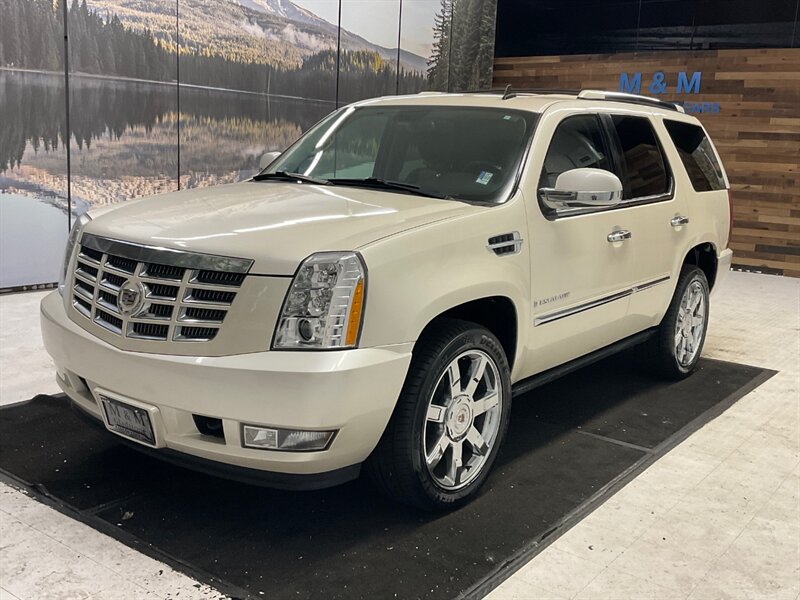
point(176, 299)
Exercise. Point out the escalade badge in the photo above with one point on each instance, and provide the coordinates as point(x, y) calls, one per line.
point(131, 297)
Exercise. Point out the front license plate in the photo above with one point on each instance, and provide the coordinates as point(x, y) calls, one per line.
point(129, 421)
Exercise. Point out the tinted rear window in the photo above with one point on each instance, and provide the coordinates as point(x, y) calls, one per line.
point(645, 170)
point(697, 156)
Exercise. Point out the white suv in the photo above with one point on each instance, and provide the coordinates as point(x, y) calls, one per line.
point(380, 291)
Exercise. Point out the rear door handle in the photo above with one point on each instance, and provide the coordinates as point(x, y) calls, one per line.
point(619, 236)
point(679, 220)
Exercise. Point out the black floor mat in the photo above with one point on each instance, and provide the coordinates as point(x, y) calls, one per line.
point(571, 444)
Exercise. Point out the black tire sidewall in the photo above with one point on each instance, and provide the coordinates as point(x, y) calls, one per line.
point(474, 338)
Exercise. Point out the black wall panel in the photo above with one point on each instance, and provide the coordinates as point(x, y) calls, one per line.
point(553, 27)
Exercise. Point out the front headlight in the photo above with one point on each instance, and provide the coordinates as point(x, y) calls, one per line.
point(72, 241)
point(324, 304)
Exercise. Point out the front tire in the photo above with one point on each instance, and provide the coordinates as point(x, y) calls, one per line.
point(674, 350)
point(450, 419)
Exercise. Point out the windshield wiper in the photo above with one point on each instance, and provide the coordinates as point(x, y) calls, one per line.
point(287, 176)
point(384, 184)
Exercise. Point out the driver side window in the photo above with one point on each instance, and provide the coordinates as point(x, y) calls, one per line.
point(578, 142)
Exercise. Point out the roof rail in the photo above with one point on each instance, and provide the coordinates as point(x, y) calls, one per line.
point(510, 92)
point(630, 98)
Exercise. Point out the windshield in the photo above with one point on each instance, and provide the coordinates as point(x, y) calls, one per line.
point(465, 153)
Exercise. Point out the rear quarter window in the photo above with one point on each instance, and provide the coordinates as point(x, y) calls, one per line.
point(697, 156)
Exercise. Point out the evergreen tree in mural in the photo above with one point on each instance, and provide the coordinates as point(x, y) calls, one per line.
point(439, 63)
point(30, 34)
point(463, 46)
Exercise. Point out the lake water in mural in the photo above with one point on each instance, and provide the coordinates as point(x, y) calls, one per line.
point(124, 144)
point(32, 229)
point(125, 134)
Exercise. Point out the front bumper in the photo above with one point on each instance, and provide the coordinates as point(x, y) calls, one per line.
point(351, 391)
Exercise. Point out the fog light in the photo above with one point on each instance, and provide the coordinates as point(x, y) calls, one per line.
point(268, 438)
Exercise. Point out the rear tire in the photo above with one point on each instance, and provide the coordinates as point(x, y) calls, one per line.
point(450, 419)
point(675, 348)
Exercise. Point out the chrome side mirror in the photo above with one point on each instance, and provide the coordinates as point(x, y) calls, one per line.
point(578, 189)
point(267, 158)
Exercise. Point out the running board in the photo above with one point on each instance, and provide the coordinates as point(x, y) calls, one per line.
point(540, 379)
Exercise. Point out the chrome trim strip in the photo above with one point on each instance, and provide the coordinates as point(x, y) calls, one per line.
point(650, 284)
point(88, 260)
point(552, 214)
point(568, 312)
point(81, 309)
point(166, 256)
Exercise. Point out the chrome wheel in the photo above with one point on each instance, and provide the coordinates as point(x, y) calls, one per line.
point(690, 324)
point(462, 420)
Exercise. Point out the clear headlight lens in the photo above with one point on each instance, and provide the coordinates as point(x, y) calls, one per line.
point(324, 304)
point(72, 241)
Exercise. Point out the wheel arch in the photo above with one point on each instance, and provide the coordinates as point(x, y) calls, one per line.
point(704, 256)
point(498, 314)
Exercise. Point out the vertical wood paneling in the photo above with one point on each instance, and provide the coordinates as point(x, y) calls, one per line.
point(756, 131)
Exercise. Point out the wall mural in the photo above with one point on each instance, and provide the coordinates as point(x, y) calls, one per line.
point(186, 93)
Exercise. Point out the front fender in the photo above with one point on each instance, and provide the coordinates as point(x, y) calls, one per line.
point(417, 275)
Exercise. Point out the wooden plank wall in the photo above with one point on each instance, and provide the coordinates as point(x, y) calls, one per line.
point(756, 131)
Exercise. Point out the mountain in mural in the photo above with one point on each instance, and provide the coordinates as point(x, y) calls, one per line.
point(283, 8)
point(276, 32)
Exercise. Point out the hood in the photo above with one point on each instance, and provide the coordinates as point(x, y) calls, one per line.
point(275, 224)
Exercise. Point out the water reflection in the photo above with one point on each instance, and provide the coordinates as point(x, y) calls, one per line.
point(32, 237)
point(124, 144)
point(224, 134)
point(125, 135)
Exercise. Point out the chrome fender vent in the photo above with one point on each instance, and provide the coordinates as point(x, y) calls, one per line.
point(505, 243)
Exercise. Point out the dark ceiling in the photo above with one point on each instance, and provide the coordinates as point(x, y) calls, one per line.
point(547, 27)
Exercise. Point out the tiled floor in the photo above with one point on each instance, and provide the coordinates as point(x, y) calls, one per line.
point(717, 517)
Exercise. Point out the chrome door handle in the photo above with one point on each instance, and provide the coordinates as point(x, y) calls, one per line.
point(679, 220)
point(619, 236)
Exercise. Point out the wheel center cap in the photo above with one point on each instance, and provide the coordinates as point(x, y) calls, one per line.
point(131, 299)
point(459, 418)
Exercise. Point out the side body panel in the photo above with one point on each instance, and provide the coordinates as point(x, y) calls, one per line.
point(666, 246)
point(419, 274)
point(569, 268)
point(573, 266)
point(659, 246)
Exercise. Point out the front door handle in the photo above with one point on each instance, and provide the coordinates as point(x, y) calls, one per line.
point(619, 236)
point(679, 220)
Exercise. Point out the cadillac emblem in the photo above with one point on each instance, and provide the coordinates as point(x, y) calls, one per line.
point(131, 298)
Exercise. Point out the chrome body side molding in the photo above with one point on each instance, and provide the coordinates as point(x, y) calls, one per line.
point(573, 310)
